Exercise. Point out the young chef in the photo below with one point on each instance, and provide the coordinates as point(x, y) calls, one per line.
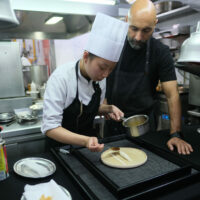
point(75, 91)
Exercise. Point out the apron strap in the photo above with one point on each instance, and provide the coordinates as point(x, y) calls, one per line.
point(76, 68)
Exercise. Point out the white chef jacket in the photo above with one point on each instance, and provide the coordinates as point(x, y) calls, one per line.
point(61, 91)
point(25, 61)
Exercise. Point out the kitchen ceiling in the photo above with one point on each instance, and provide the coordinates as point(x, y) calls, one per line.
point(32, 23)
point(77, 19)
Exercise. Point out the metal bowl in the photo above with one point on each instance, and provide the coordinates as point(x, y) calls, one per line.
point(6, 117)
point(137, 125)
point(37, 109)
point(27, 119)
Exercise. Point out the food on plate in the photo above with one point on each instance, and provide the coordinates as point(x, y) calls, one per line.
point(45, 198)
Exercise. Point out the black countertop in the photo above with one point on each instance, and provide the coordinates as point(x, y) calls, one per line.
point(159, 140)
point(13, 187)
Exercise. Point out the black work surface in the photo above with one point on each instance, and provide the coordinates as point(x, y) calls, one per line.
point(91, 181)
point(154, 167)
point(12, 188)
point(159, 140)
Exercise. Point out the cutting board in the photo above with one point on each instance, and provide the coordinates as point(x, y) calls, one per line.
point(126, 158)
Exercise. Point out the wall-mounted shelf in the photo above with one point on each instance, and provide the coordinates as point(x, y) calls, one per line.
point(175, 12)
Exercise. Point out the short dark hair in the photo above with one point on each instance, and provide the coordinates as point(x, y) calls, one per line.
point(91, 55)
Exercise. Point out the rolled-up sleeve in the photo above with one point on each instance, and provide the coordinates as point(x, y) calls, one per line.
point(54, 102)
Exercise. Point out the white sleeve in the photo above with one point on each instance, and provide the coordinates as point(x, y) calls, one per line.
point(54, 103)
point(103, 90)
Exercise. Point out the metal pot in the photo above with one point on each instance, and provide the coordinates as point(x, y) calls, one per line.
point(137, 125)
point(37, 109)
point(36, 73)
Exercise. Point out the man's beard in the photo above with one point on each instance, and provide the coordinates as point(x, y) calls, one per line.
point(137, 45)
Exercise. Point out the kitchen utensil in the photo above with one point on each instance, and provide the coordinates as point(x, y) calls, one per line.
point(10, 123)
point(27, 119)
point(6, 117)
point(37, 109)
point(136, 125)
point(34, 167)
point(121, 153)
point(123, 157)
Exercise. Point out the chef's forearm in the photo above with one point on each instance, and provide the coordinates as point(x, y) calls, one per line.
point(65, 136)
point(104, 109)
point(174, 105)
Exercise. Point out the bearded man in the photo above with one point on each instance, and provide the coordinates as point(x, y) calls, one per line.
point(132, 85)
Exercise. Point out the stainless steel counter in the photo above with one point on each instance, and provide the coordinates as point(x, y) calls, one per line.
point(16, 129)
point(24, 138)
point(17, 133)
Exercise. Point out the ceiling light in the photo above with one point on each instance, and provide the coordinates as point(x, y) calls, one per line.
point(53, 20)
point(107, 2)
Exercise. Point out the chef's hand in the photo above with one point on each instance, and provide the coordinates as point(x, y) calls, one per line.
point(93, 145)
point(115, 113)
point(182, 146)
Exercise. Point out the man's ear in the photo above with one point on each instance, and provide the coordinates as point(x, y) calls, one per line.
point(85, 56)
point(156, 21)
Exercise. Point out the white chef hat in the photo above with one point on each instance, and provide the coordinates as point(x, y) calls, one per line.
point(107, 37)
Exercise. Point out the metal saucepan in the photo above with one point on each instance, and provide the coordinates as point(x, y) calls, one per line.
point(136, 125)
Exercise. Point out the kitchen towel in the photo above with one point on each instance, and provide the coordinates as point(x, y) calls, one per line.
point(50, 190)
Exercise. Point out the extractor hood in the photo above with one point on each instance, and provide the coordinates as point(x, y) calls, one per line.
point(7, 15)
point(77, 19)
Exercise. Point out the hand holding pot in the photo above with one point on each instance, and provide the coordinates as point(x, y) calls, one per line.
point(114, 113)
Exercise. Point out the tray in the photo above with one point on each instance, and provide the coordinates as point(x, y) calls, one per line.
point(156, 172)
point(34, 167)
point(88, 173)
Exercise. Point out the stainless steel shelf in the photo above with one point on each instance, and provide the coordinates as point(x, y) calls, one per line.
point(175, 12)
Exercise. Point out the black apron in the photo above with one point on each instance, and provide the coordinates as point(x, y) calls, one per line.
point(126, 86)
point(78, 117)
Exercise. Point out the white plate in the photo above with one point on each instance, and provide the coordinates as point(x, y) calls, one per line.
point(34, 167)
point(64, 190)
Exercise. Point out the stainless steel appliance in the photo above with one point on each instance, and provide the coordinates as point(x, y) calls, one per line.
point(36, 73)
point(194, 98)
point(163, 112)
point(194, 90)
point(11, 81)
